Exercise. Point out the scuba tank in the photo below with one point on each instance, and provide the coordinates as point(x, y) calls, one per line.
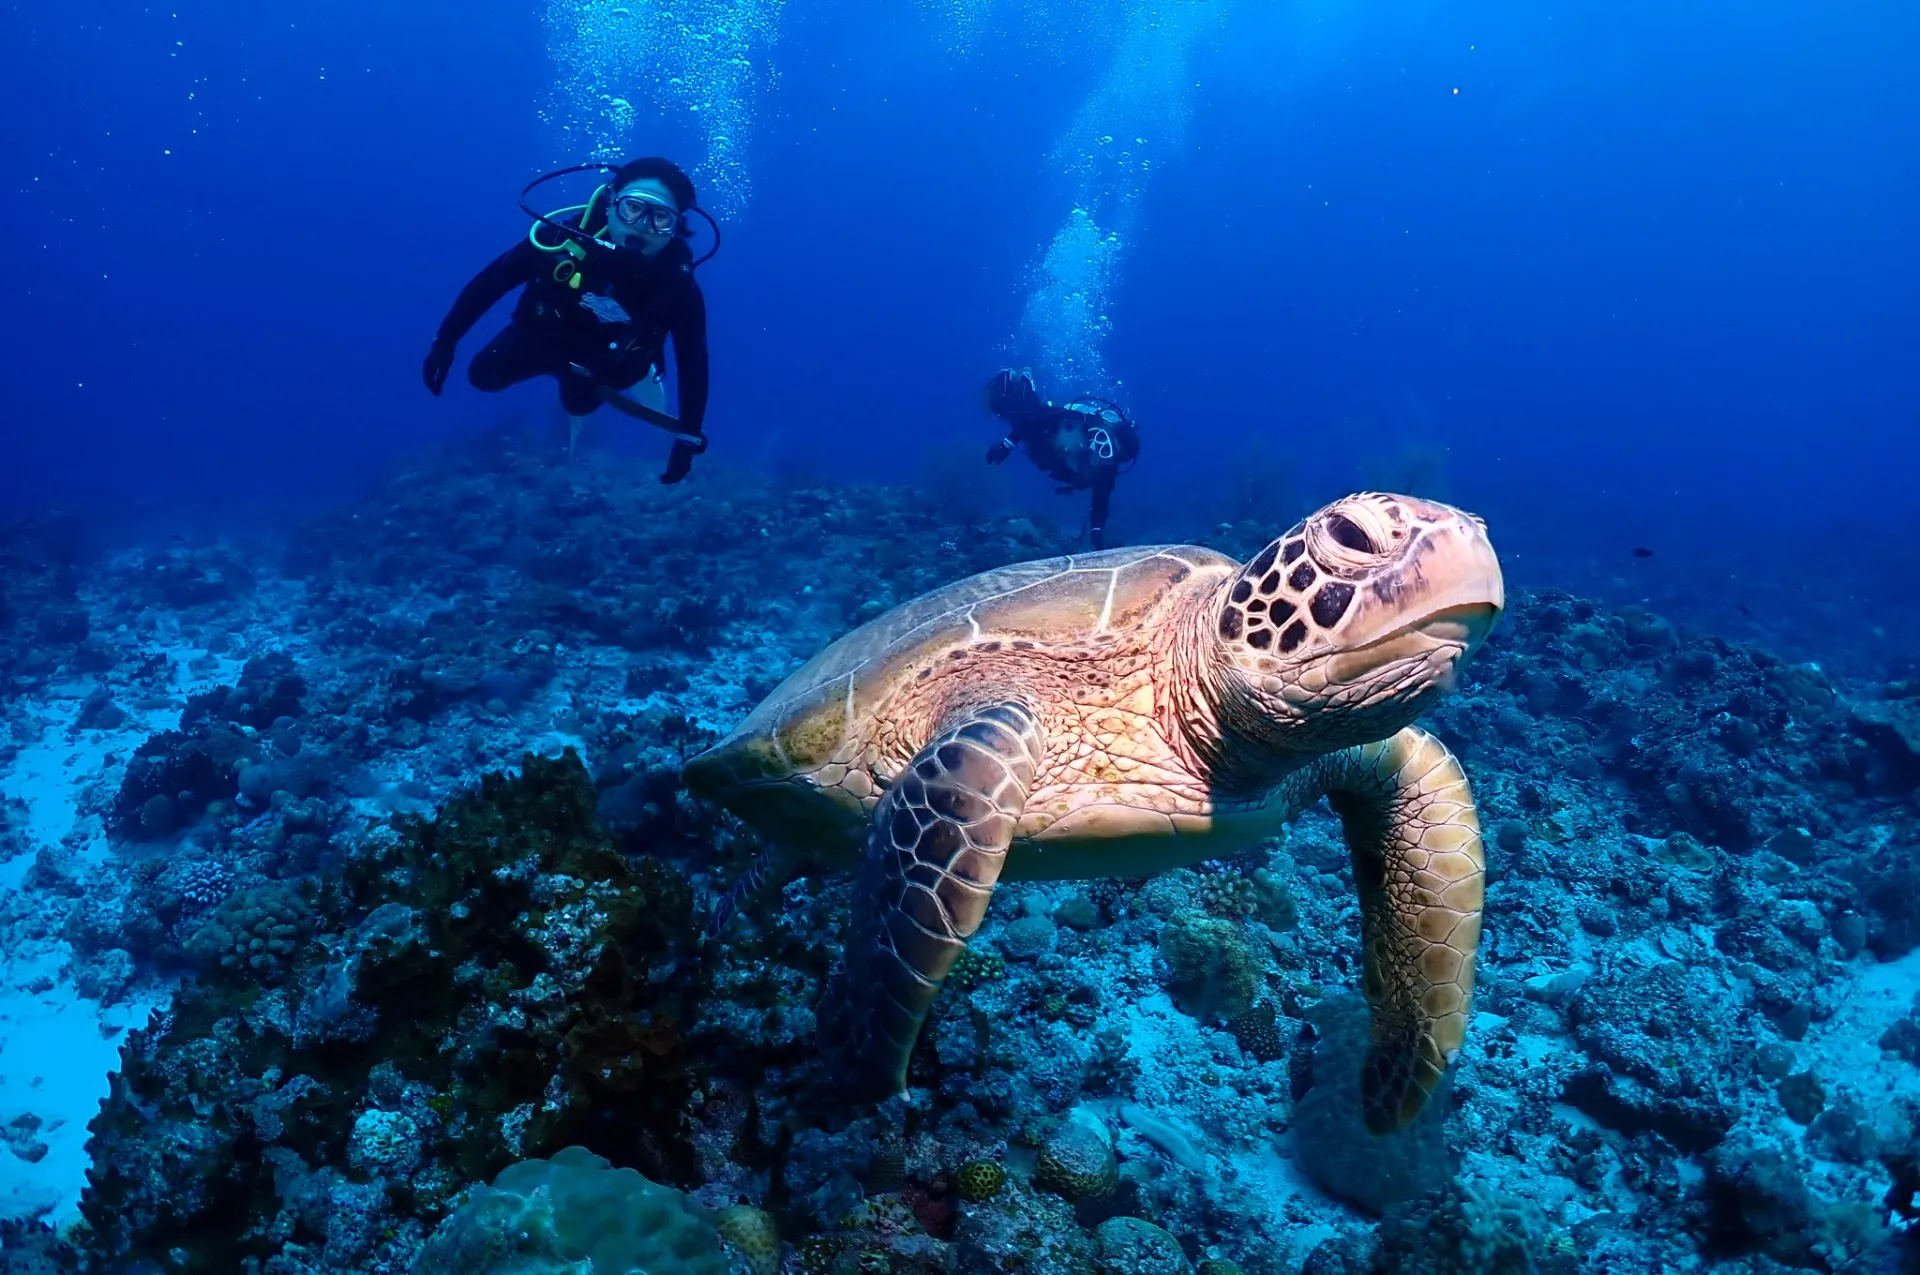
point(1111, 437)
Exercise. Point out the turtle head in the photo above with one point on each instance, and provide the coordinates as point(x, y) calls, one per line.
point(1353, 623)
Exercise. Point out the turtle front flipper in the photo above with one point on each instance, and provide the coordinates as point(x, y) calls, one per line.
point(933, 853)
point(1417, 856)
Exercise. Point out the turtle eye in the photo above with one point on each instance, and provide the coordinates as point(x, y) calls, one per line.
point(1345, 531)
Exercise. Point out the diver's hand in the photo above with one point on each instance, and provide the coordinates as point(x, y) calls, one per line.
point(680, 462)
point(439, 363)
point(999, 451)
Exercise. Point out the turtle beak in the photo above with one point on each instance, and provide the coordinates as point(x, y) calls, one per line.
point(1442, 640)
point(1455, 634)
point(1464, 627)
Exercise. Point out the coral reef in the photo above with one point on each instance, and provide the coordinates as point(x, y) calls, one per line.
point(398, 813)
point(491, 984)
point(1077, 1162)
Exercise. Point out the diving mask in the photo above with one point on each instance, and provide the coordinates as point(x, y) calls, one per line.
point(636, 209)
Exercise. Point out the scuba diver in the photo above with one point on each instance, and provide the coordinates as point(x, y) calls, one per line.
point(1086, 443)
point(603, 287)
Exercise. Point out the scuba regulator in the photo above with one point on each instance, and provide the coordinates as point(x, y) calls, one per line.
point(576, 240)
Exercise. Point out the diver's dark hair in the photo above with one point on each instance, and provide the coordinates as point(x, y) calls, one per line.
point(664, 171)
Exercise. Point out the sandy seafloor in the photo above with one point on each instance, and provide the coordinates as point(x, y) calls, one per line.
point(57, 1047)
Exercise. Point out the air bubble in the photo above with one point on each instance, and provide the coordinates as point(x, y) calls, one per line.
point(1065, 320)
point(702, 58)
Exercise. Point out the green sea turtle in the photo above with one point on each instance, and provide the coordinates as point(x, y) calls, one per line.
point(1119, 713)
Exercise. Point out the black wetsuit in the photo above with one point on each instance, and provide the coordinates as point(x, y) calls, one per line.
point(615, 324)
point(1035, 425)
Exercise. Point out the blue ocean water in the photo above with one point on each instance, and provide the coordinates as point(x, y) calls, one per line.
point(1636, 285)
point(1646, 273)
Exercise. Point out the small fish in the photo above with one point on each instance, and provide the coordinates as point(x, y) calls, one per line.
point(1641, 551)
point(1745, 610)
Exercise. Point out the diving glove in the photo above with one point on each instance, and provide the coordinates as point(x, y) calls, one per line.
point(439, 362)
point(999, 451)
point(680, 461)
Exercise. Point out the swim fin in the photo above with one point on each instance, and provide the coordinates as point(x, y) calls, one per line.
point(1012, 395)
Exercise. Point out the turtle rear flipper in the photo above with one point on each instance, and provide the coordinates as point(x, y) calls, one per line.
point(933, 853)
point(1418, 860)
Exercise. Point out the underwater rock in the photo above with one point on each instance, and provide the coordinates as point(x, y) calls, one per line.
point(182, 578)
point(1902, 1038)
point(105, 976)
point(298, 776)
point(1759, 1198)
point(1026, 1231)
point(269, 688)
point(1458, 1229)
point(1330, 1132)
point(1344, 1254)
point(1691, 1122)
point(13, 827)
point(1134, 1246)
point(1802, 1097)
point(1026, 938)
point(62, 626)
point(546, 1217)
point(99, 712)
point(1078, 911)
point(1557, 989)
point(1892, 726)
point(34, 1248)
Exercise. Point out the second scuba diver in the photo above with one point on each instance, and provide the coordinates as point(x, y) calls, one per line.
point(1084, 444)
point(601, 294)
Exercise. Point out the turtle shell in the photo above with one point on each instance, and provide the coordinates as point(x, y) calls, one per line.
point(828, 722)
